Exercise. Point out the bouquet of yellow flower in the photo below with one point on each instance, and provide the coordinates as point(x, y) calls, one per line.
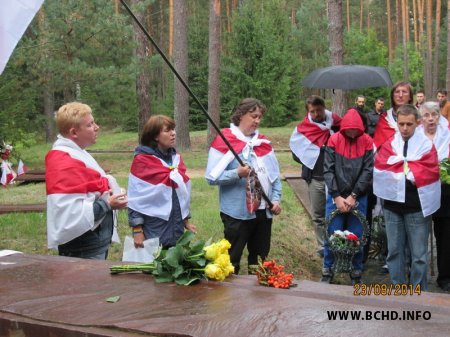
point(187, 262)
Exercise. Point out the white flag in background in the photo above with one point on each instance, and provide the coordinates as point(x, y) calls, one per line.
point(21, 168)
point(15, 16)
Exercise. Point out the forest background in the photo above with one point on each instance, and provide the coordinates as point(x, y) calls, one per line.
point(224, 49)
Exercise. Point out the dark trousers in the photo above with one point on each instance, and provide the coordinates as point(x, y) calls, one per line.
point(255, 233)
point(442, 235)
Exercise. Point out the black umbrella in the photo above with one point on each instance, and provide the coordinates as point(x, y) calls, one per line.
point(348, 77)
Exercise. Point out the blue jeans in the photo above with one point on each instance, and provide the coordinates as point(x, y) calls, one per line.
point(345, 221)
point(411, 229)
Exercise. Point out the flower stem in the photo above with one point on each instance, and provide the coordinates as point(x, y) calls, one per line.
point(125, 268)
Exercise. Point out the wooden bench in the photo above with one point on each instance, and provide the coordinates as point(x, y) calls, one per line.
point(11, 208)
point(34, 176)
point(38, 176)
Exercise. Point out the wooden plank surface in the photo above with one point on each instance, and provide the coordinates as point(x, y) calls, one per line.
point(10, 208)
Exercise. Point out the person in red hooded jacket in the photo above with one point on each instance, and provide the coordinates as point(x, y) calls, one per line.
point(348, 167)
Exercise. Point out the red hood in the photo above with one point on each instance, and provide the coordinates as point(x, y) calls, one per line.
point(352, 120)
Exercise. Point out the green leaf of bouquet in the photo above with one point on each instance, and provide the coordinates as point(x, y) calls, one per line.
point(113, 299)
point(174, 256)
point(185, 281)
point(163, 277)
point(186, 238)
point(208, 242)
point(179, 270)
point(197, 247)
point(199, 262)
point(162, 255)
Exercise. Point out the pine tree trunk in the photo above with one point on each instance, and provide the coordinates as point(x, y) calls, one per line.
point(429, 59)
point(416, 34)
point(214, 68)
point(398, 22)
point(47, 92)
point(361, 15)
point(406, 20)
point(142, 75)
point(420, 11)
point(180, 60)
point(336, 36)
point(171, 28)
point(405, 40)
point(389, 29)
point(437, 40)
point(49, 110)
point(447, 77)
point(348, 15)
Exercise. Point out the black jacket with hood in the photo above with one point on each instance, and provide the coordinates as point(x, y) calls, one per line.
point(348, 164)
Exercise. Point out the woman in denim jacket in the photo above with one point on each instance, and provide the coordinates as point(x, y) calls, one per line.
point(242, 227)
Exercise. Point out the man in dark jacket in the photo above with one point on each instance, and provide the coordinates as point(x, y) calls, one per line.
point(307, 145)
point(374, 116)
point(348, 166)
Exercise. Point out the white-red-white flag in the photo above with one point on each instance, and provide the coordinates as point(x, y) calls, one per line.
point(21, 168)
point(309, 136)
point(420, 165)
point(8, 175)
point(150, 185)
point(15, 16)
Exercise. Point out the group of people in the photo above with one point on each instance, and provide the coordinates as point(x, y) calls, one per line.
point(391, 156)
point(82, 199)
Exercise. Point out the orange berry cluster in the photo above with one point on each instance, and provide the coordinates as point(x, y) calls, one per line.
point(272, 275)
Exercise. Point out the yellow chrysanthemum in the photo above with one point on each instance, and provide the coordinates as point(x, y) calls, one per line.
point(212, 251)
point(214, 272)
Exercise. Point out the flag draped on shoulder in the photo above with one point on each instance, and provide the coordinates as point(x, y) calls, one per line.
point(256, 150)
point(74, 181)
point(420, 166)
point(8, 174)
point(441, 140)
point(15, 16)
point(309, 136)
point(385, 129)
point(151, 182)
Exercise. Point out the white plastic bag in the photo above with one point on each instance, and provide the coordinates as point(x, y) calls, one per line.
point(144, 255)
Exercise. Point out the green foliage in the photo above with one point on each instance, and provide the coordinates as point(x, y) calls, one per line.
point(73, 54)
point(444, 171)
point(198, 37)
point(311, 36)
point(260, 62)
point(365, 48)
point(415, 66)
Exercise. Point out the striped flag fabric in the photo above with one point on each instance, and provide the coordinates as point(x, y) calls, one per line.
point(72, 188)
point(309, 136)
point(150, 185)
point(8, 175)
point(15, 16)
point(421, 165)
point(220, 156)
